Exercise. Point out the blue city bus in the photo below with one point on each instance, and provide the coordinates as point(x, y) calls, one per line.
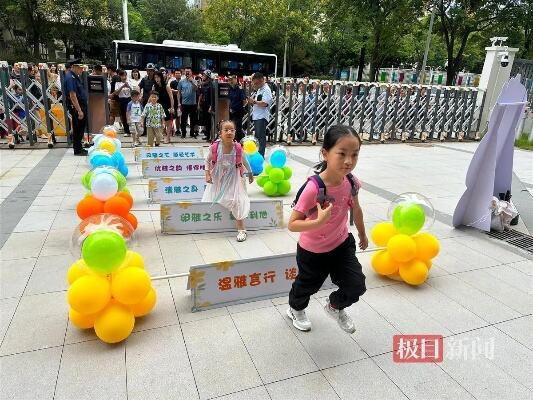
point(172, 54)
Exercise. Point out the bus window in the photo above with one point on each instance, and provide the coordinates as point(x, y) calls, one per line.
point(178, 62)
point(257, 67)
point(232, 66)
point(130, 58)
point(157, 59)
point(206, 63)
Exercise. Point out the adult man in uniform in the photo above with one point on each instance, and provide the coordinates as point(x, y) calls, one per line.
point(77, 104)
point(237, 99)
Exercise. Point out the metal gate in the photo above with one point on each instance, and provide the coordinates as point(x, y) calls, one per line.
point(525, 69)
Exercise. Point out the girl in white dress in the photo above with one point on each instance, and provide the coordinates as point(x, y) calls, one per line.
point(225, 169)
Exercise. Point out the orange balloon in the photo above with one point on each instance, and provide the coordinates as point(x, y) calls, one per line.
point(132, 220)
point(117, 205)
point(110, 133)
point(126, 196)
point(89, 206)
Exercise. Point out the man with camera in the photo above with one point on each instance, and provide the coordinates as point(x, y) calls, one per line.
point(260, 101)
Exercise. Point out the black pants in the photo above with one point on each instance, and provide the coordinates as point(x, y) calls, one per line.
point(236, 117)
point(313, 269)
point(205, 120)
point(188, 111)
point(123, 109)
point(78, 128)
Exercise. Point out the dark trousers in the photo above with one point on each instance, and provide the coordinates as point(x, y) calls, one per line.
point(236, 117)
point(313, 269)
point(78, 128)
point(188, 111)
point(123, 118)
point(260, 126)
point(206, 121)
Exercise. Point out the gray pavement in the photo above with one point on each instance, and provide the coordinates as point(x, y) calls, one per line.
point(479, 297)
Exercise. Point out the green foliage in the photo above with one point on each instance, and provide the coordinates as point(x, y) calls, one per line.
point(523, 142)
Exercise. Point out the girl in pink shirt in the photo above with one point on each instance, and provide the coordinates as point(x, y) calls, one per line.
point(325, 246)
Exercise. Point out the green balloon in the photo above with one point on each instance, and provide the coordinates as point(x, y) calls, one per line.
point(121, 180)
point(287, 172)
point(268, 168)
point(262, 179)
point(125, 189)
point(284, 187)
point(86, 180)
point(408, 218)
point(104, 251)
point(276, 175)
point(270, 188)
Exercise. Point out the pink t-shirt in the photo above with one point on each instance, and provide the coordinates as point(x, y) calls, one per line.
point(335, 231)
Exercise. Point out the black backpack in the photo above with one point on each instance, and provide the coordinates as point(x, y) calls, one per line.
point(322, 197)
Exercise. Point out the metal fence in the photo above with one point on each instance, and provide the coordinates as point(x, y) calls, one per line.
point(525, 69)
point(32, 106)
point(304, 112)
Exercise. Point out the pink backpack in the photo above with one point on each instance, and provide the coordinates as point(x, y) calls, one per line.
point(238, 155)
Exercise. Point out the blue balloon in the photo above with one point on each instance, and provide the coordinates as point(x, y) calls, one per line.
point(256, 162)
point(278, 159)
point(118, 158)
point(100, 160)
point(123, 169)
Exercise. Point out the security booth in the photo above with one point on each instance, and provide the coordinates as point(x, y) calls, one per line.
point(222, 102)
point(98, 107)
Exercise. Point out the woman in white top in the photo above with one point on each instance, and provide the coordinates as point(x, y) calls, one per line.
point(135, 79)
point(123, 91)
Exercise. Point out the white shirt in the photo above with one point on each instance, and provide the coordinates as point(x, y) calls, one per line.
point(123, 94)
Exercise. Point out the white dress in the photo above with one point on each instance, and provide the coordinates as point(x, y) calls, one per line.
point(228, 188)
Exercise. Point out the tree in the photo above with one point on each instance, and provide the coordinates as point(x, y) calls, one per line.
point(459, 19)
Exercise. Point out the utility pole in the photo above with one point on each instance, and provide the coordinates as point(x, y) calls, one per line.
point(428, 41)
point(125, 19)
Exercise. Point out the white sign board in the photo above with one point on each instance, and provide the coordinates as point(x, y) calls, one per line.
point(230, 282)
point(197, 217)
point(168, 152)
point(166, 167)
point(176, 189)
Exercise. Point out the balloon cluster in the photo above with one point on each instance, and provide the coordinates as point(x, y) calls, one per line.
point(108, 286)
point(106, 151)
point(408, 253)
point(108, 194)
point(255, 159)
point(275, 178)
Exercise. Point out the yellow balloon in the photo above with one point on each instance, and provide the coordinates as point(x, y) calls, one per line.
point(401, 248)
point(414, 272)
point(81, 321)
point(133, 259)
point(108, 146)
point(427, 246)
point(383, 264)
point(396, 276)
point(130, 285)
point(249, 147)
point(77, 270)
point(114, 323)
point(382, 232)
point(146, 304)
point(428, 263)
point(89, 294)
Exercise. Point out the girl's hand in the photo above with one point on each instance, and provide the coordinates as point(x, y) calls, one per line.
point(250, 177)
point(363, 241)
point(324, 213)
point(208, 178)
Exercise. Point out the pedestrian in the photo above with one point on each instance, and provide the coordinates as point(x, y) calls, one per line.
point(123, 94)
point(173, 84)
point(325, 246)
point(134, 115)
point(146, 86)
point(187, 92)
point(77, 104)
point(167, 101)
point(153, 118)
point(260, 101)
point(206, 104)
point(135, 79)
point(224, 171)
point(237, 99)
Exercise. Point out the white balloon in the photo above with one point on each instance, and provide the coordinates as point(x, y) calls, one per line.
point(104, 186)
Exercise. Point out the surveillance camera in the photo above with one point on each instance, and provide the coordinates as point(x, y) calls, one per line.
point(504, 61)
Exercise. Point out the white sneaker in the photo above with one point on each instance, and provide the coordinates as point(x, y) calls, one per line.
point(299, 319)
point(342, 318)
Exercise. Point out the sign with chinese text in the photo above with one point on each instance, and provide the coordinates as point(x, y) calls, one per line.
point(230, 282)
point(197, 217)
point(176, 189)
point(182, 152)
point(166, 167)
point(417, 348)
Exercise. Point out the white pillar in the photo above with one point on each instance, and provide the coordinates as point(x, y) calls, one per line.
point(125, 20)
point(493, 77)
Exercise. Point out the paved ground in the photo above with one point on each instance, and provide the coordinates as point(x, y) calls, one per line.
point(479, 294)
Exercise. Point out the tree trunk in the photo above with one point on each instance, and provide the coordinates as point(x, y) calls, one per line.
point(375, 55)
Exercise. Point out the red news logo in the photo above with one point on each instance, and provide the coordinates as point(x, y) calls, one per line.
point(417, 348)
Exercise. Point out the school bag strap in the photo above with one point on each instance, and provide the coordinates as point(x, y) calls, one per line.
point(238, 154)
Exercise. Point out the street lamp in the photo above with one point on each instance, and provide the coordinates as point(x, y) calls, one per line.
point(428, 40)
point(125, 19)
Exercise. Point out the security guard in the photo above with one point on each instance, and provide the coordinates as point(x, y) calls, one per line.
point(77, 104)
